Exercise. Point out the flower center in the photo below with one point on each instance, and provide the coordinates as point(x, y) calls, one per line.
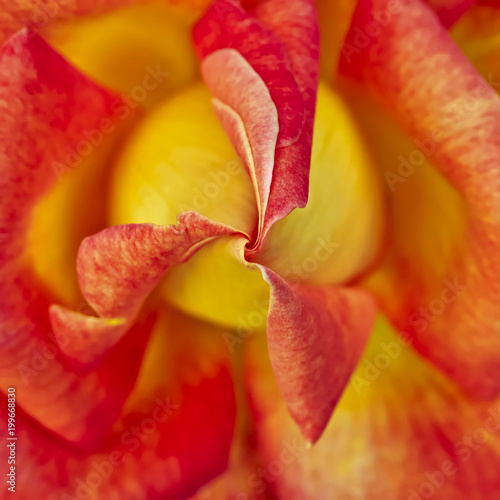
point(181, 159)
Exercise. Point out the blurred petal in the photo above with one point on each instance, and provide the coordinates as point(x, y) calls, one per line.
point(421, 76)
point(450, 11)
point(117, 269)
point(36, 15)
point(477, 34)
point(173, 436)
point(43, 97)
point(402, 431)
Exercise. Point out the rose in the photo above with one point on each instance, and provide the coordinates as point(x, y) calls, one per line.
point(119, 266)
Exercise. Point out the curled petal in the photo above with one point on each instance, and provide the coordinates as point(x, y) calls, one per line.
point(284, 52)
point(247, 113)
point(119, 267)
point(425, 81)
point(315, 335)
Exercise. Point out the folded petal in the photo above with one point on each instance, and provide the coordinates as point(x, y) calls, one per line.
point(315, 338)
point(424, 80)
point(117, 269)
point(167, 442)
point(247, 114)
point(283, 52)
point(402, 431)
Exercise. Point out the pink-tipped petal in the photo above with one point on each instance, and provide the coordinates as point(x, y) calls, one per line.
point(316, 335)
point(247, 113)
point(227, 25)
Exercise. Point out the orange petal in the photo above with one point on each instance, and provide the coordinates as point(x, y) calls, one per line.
point(144, 51)
point(401, 431)
point(173, 435)
point(434, 92)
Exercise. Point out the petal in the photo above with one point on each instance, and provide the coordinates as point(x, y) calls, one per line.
point(167, 442)
point(401, 431)
point(278, 57)
point(315, 337)
point(18, 13)
point(477, 35)
point(430, 87)
point(247, 114)
point(196, 169)
point(117, 269)
point(44, 97)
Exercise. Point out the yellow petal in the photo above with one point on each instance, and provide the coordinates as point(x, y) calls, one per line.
point(143, 51)
point(181, 159)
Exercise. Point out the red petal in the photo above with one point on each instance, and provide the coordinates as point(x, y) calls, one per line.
point(174, 435)
point(295, 22)
point(316, 335)
point(283, 51)
point(432, 89)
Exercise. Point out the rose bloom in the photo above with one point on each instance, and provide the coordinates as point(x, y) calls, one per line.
point(249, 250)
